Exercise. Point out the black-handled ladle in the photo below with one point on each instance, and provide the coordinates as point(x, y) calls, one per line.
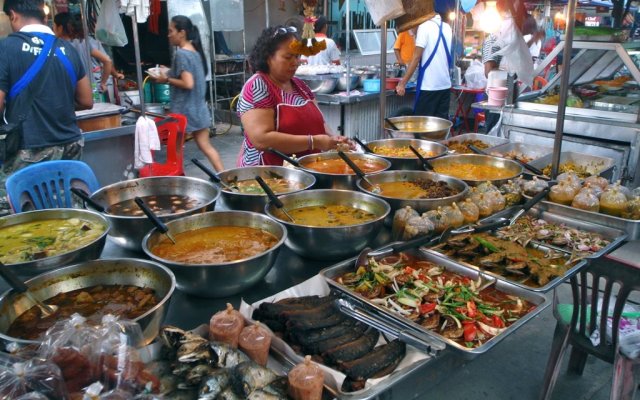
point(363, 144)
point(425, 163)
point(284, 157)
point(391, 124)
point(272, 197)
point(212, 175)
point(87, 199)
point(522, 163)
point(374, 188)
point(164, 229)
point(12, 279)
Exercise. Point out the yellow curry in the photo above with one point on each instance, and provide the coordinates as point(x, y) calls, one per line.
point(401, 152)
point(473, 172)
point(329, 215)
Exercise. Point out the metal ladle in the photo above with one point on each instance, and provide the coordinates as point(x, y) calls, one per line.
point(12, 279)
point(212, 175)
point(164, 229)
point(374, 188)
point(426, 165)
point(272, 196)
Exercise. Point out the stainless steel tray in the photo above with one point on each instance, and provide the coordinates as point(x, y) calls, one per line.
point(630, 226)
point(532, 151)
point(584, 112)
point(492, 141)
point(614, 235)
point(333, 272)
point(596, 165)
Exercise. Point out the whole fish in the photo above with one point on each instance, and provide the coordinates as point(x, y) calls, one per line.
point(214, 384)
point(248, 376)
point(225, 356)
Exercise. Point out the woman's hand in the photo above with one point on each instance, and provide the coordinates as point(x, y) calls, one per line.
point(330, 142)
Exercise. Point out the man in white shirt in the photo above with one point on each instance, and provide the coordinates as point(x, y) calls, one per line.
point(330, 55)
point(433, 56)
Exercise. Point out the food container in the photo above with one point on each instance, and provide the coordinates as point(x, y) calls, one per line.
point(420, 205)
point(491, 141)
point(226, 325)
point(330, 243)
point(123, 271)
point(411, 162)
point(391, 83)
point(100, 116)
point(371, 85)
point(256, 202)
point(419, 127)
point(511, 168)
point(326, 180)
point(595, 165)
point(528, 150)
point(353, 79)
point(255, 341)
point(321, 84)
point(128, 231)
point(87, 252)
point(332, 273)
point(223, 279)
point(306, 380)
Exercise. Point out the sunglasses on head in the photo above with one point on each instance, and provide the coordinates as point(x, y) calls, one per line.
point(284, 30)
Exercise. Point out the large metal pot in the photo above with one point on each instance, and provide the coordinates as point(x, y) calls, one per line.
point(124, 271)
point(419, 127)
point(224, 279)
point(407, 163)
point(320, 84)
point(420, 205)
point(256, 202)
point(338, 181)
point(353, 79)
point(128, 231)
point(512, 169)
point(330, 243)
point(90, 251)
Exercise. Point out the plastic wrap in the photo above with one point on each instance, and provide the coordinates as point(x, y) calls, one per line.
point(225, 326)
point(484, 204)
point(511, 192)
point(255, 340)
point(454, 215)
point(470, 211)
point(562, 193)
point(438, 218)
point(632, 211)
point(586, 199)
point(306, 380)
point(33, 379)
point(417, 226)
point(534, 186)
point(596, 180)
point(613, 201)
point(400, 219)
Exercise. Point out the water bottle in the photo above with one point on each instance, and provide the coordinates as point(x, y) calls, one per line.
point(97, 96)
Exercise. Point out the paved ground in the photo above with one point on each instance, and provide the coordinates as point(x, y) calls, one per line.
point(511, 370)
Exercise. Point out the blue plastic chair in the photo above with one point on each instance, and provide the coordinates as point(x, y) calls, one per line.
point(47, 184)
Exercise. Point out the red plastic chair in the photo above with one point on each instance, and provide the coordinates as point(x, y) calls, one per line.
point(171, 131)
point(480, 117)
point(539, 82)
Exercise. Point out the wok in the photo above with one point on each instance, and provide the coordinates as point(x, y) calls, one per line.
point(330, 243)
point(411, 162)
point(87, 252)
point(128, 231)
point(512, 169)
point(124, 271)
point(338, 181)
point(256, 202)
point(223, 279)
point(419, 127)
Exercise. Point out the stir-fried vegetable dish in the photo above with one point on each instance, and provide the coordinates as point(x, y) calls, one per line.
point(402, 152)
point(462, 147)
point(46, 238)
point(464, 310)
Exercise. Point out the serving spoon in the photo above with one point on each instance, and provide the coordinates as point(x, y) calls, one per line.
point(285, 157)
point(164, 229)
point(362, 144)
point(522, 163)
point(391, 124)
point(425, 163)
point(272, 196)
point(12, 279)
point(212, 175)
point(87, 199)
point(374, 188)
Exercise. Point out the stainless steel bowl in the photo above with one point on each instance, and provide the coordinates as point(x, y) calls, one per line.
point(256, 202)
point(128, 231)
point(420, 205)
point(330, 243)
point(408, 163)
point(338, 181)
point(513, 168)
point(419, 127)
point(320, 84)
point(89, 251)
point(353, 79)
point(224, 279)
point(124, 271)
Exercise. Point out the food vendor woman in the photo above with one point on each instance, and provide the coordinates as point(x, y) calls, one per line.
point(278, 110)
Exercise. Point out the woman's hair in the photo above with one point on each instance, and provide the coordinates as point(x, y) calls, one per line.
point(183, 23)
point(267, 45)
point(71, 24)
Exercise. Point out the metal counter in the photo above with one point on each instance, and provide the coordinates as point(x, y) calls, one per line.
point(359, 115)
point(109, 153)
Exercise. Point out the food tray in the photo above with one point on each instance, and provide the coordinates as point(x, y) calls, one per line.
point(528, 150)
point(333, 272)
point(605, 165)
point(630, 226)
point(614, 235)
point(616, 103)
point(492, 141)
point(317, 285)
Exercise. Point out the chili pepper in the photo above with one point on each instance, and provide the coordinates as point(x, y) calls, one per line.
point(498, 322)
point(486, 244)
point(408, 270)
point(427, 308)
point(472, 310)
point(469, 332)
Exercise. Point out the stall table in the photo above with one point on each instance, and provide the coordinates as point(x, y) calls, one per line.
point(465, 97)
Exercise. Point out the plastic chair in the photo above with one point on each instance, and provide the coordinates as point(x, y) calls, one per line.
point(611, 281)
point(538, 83)
point(480, 117)
point(171, 131)
point(47, 184)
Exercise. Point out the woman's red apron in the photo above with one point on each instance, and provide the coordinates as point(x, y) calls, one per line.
point(304, 119)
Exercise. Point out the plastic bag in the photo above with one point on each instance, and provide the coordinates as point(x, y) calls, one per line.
point(382, 10)
point(514, 51)
point(109, 27)
point(474, 76)
point(32, 379)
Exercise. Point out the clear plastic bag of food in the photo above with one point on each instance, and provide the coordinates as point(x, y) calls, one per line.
point(454, 215)
point(417, 226)
point(562, 193)
point(438, 218)
point(470, 211)
point(511, 192)
point(586, 200)
point(485, 187)
point(484, 204)
point(400, 219)
point(534, 186)
point(613, 201)
point(632, 211)
point(595, 180)
point(32, 379)
point(497, 200)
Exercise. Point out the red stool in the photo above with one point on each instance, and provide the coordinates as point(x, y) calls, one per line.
point(480, 117)
point(171, 131)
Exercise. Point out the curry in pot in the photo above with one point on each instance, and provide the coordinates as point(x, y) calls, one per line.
point(402, 152)
point(473, 172)
point(329, 215)
point(124, 301)
point(46, 238)
point(215, 245)
point(277, 185)
point(339, 167)
point(160, 204)
point(420, 189)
